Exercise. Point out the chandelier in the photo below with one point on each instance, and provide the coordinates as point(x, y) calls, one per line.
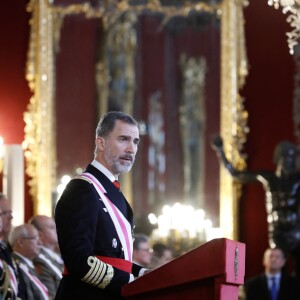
point(292, 7)
point(183, 227)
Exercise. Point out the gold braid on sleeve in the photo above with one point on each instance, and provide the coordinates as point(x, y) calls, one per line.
point(100, 274)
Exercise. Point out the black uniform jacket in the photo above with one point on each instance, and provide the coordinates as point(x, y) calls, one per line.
point(85, 230)
point(256, 288)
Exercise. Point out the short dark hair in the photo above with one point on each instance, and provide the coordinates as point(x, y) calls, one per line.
point(159, 249)
point(138, 239)
point(108, 121)
point(283, 251)
point(35, 222)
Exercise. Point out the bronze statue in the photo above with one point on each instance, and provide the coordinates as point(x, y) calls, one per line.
point(282, 195)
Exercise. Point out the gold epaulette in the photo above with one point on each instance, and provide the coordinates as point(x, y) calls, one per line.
point(5, 281)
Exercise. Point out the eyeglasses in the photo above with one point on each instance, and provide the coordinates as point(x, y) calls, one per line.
point(6, 212)
point(149, 250)
point(30, 238)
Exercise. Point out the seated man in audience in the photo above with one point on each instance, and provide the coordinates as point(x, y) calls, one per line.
point(162, 254)
point(8, 286)
point(26, 246)
point(142, 252)
point(274, 283)
point(48, 263)
point(6, 216)
point(17, 284)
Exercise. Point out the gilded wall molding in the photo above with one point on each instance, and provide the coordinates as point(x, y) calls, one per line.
point(39, 118)
point(233, 114)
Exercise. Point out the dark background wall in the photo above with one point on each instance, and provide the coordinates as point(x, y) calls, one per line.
point(268, 98)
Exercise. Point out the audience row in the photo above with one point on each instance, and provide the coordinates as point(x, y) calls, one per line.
point(30, 267)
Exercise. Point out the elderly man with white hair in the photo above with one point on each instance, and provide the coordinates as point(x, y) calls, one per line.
point(26, 246)
point(48, 264)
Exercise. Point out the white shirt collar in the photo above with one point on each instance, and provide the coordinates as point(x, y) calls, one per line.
point(52, 254)
point(102, 169)
point(27, 260)
point(277, 277)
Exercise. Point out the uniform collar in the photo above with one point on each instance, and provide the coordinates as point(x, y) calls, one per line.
point(102, 169)
point(52, 254)
point(28, 262)
point(277, 276)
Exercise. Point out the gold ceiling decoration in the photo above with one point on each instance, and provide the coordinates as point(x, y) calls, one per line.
point(110, 8)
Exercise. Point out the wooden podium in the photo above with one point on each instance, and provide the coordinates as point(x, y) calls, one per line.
point(213, 271)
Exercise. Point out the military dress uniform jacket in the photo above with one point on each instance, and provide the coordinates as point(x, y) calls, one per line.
point(49, 271)
point(256, 288)
point(85, 230)
point(6, 255)
point(35, 289)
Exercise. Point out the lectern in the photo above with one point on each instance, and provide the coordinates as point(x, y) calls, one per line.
point(213, 271)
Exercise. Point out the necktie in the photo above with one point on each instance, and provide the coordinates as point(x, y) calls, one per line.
point(273, 288)
point(117, 184)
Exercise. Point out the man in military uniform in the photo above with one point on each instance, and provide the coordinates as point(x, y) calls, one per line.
point(48, 264)
point(282, 189)
point(94, 221)
point(26, 246)
point(17, 283)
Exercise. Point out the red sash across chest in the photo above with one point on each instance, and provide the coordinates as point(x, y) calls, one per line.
point(118, 263)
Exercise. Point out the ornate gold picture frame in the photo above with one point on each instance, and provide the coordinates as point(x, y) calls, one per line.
point(40, 117)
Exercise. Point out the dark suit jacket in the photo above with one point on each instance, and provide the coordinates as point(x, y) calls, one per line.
point(256, 288)
point(85, 230)
point(48, 271)
point(6, 255)
point(33, 293)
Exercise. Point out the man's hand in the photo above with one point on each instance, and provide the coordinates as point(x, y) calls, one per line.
point(147, 271)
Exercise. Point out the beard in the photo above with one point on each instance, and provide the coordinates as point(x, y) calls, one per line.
point(117, 166)
point(122, 168)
